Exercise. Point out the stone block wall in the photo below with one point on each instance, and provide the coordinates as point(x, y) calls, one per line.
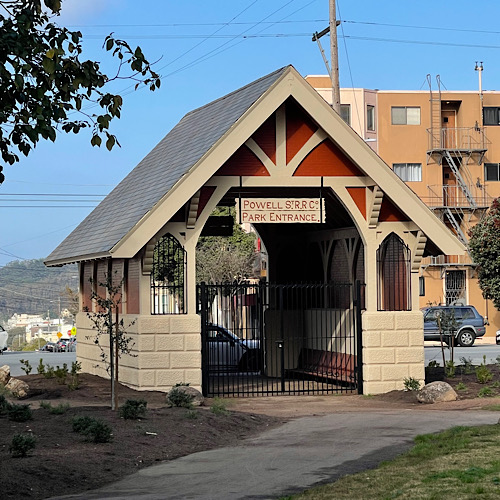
point(393, 349)
point(166, 351)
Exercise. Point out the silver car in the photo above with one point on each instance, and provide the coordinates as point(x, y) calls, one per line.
point(227, 352)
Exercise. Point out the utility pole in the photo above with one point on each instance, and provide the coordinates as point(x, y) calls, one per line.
point(334, 58)
point(333, 71)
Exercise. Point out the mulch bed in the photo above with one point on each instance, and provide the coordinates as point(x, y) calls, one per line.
point(63, 463)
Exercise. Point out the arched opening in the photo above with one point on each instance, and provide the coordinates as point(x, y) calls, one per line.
point(168, 277)
point(393, 273)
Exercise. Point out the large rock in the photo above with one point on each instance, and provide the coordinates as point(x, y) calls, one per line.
point(4, 375)
point(18, 388)
point(193, 396)
point(437, 392)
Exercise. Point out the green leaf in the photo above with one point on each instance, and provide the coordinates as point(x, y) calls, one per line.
point(109, 43)
point(96, 141)
point(49, 65)
point(50, 53)
point(110, 142)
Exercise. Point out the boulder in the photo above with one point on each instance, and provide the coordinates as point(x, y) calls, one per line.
point(18, 388)
point(437, 392)
point(173, 398)
point(4, 375)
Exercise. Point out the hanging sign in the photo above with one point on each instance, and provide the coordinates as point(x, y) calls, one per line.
point(281, 210)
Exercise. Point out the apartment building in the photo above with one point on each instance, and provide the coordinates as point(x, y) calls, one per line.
point(446, 146)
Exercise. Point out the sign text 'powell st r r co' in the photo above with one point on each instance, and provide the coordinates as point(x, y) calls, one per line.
point(281, 210)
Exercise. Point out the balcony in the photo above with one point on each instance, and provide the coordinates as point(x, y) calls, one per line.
point(452, 196)
point(447, 261)
point(464, 139)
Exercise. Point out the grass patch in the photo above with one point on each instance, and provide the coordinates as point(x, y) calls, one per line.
point(460, 463)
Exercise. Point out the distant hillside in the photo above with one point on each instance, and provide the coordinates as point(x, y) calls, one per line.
point(27, 286)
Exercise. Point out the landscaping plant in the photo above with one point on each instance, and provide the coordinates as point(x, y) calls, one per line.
point(411, 384)
point(26, 368)
point(21, 445)
point(19, 413)
point(133, 409)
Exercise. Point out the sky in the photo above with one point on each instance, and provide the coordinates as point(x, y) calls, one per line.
point(206, 49)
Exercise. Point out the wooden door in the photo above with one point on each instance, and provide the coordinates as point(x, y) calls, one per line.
point(448, 128)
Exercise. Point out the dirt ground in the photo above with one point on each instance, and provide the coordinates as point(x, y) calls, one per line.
point(63, 463)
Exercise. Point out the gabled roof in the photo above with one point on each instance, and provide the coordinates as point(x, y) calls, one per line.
point(157, 173)
point(197, 147)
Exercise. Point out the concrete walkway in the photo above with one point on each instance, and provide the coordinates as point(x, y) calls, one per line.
point(302, 453)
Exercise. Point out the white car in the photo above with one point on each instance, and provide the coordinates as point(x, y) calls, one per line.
point(226, 351)
point(3, 340)
point(498, 337)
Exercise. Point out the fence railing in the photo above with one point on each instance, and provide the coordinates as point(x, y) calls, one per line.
point(461, 138)
point(452, 196)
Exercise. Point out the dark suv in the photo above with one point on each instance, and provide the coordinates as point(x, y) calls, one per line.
point(470, 323)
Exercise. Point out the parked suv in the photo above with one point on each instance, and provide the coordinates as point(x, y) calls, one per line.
point(470, 323)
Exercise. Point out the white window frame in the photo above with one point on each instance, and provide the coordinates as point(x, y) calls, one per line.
point(370, 110)
point(408, 172)
point(410, 115)
point(497, 165)
point(348, 107)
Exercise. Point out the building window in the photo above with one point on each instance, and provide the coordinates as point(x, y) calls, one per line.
point(370, 117)
point(168, 277)
point(402, 115)
point(492, 172)
point(491, 116)
point(421, 286)
point(345, 113)
point(408, 172)
point(393, 275)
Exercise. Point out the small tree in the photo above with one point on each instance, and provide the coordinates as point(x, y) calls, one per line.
point(107, 321)
point(448, 326)
point(225, 259)
point(484, 247)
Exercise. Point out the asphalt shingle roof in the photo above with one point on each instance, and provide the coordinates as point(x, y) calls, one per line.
point(158, 172)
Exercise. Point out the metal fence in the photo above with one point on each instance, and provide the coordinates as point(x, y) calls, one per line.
point(268, 339)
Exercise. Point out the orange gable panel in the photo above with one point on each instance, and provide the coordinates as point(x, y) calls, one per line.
point(299, 129)
point(327, 160)
point(390, 213)
point(206, 193)
point(243, 162)
point(358, 194)
point(265, 137)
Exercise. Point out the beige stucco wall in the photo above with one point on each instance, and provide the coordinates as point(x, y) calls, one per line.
point(393, 350)
point(166, 351)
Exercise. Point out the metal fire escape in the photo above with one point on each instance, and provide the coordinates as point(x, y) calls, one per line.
point(454, 147)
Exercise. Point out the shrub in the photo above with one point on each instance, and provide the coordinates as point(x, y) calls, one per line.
point(450, 369)
point(192, 414)
point(4, 405)
point(98, 432)
point(27, 366)
point(411, 384)
point(433, 364)
point(60, 409)
point(178, 397)
point(219, 407)
point(94, 430)
point(81, 423)
point(40, 368)
point(61, 374)
point(467, 364)
point(461, 386)
point(483, 373)
point(49, 371)
point(19, 413)
point(133, 409)
point(21, 445)
point(485, 392)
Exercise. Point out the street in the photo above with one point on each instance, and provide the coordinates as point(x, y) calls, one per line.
point(13, 359)
point(475, 353)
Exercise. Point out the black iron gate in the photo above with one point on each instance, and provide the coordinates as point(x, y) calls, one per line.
point(268, 339)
